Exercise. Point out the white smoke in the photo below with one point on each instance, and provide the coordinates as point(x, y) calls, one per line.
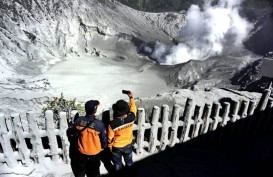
point(208, 32)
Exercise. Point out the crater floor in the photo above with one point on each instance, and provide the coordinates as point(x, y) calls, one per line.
point(89, 77)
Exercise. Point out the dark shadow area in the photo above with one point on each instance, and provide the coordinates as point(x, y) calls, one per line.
point(1, 149)
point(238, 149)
point(106, 118)
point(45, 142)
point(225, 99)
point(28, 143)
point(175, 5)
point(13, 145)
point(250, 78)
point(137, 42)
point(106, 154)
point(259, 85)
point(260, 42)
point(73, 147)
point(59, 141)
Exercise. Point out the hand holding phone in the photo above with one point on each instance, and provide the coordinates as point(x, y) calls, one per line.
point(128, 92)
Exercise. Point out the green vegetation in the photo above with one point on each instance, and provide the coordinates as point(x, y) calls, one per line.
point(178, 5)
point(60, 104)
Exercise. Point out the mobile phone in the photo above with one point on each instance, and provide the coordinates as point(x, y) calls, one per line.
point(125, 91)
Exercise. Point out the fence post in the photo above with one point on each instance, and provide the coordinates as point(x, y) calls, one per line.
point(243, 115)
point(234, 111)
point(234, 115)
point(141, 130)
point(226, 109)
point(216, 118)
point(5, 137)
point(165, 127)
point(244, 111)
point(251, 108)
point(24, 122)
point(187, 120)
point(8, 123)
point(35, 138)
point(175, 122)
point(65, 143)
point(51, 133)
point(197, 121)
point(206, 118)
point(263, 101)
point(225, 117)
point(154, 129)
point(18, 133)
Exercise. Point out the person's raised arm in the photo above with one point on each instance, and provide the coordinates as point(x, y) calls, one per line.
point(133, 107)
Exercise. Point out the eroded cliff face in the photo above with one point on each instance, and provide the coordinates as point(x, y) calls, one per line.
point(37, 33)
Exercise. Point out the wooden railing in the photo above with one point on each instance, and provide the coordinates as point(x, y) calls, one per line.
point(194, 122)
point(21, 141)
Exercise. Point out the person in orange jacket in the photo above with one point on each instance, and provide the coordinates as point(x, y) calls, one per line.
point(92, 140)
point(120, 132)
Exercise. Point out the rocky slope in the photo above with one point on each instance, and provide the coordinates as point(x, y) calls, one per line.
point(36, 34)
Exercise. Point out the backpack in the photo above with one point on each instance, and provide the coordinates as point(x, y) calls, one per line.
point(73, 135)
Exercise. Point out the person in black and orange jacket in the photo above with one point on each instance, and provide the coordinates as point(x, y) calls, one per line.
point(91, 141)
point(120, 132)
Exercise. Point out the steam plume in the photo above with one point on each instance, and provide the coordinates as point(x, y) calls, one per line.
point(215, 30)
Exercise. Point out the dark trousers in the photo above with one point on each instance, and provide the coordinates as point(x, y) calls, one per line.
point(126, 153)
point(88, 165)
point(106, 159)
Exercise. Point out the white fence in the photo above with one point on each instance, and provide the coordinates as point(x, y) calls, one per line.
point(29, 144)
point(21, 141)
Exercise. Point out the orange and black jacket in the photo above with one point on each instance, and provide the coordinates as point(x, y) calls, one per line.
point(93, 139)
point(120, 130)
